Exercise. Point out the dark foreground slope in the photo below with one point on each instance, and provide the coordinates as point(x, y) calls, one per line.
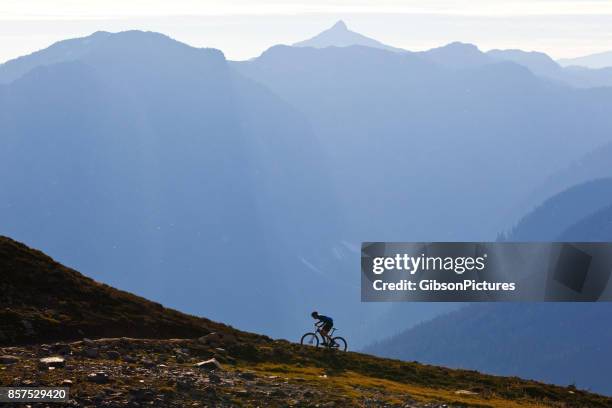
point(43, 301)
point(58, 303)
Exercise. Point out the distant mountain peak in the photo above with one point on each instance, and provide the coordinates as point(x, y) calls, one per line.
point(128, 43)
point(340, 26)
point(457, 54)
point(595, 61)
point(339, 35)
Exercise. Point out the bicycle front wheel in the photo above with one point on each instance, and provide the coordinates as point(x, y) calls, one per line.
point(310, 339)
point(340, 344)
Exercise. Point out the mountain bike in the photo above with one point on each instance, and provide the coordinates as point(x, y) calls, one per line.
point(315, 338)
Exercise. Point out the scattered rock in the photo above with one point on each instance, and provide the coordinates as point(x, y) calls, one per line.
point(8, 359)
point(142, 394)
point(99, 377)
point(91, 352)
point(210, 392)
point(52, 362)
point(211, 364)
point(185, 384)
point(29, 329)
point(113, 355)
point(62, 349)
point(129, 359)
point(278, 393)
point(465, 392)
point(247, 375)
point(210, 339)
point(229, 339)
point(148, 363)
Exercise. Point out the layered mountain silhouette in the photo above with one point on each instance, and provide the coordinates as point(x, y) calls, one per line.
point(550, 219)
point(582, 213)
point(62, 51)
point(594, 165)
point(405, 120)
point(457, 55)
point(585, 72)
point(596, 227)
point(544, 66)
point(599, 60)
point(340, 36)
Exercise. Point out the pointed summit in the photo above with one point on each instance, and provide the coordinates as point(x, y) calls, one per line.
point(339, 35)
point(339, 26)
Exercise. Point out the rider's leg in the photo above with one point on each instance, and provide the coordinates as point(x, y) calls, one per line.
point(324, 330)
point(329, 338)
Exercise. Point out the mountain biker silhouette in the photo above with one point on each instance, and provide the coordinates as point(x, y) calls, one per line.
point(324, 324)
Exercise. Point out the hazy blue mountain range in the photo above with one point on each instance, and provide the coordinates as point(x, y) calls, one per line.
point(596, 227)
point(457, 55)
point(554, 342)
point(389, 120)
point(461, 55)
point(561, 211)
point(542, 65)
point(596, 164)
point(62, 51)
point(599, 60)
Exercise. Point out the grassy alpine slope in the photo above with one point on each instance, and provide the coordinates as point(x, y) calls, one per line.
point(142, 354)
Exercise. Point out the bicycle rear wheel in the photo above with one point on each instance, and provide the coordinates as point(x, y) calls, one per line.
point(340, 343)
point(310, 339)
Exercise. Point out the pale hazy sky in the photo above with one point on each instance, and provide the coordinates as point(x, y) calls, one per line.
point(243, 29)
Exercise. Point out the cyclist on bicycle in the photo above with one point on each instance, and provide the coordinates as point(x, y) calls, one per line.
point(324, 324)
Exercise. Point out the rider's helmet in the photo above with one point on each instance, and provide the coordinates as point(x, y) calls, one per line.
point(315, 314)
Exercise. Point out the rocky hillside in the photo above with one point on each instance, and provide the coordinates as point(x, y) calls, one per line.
point(54, 321)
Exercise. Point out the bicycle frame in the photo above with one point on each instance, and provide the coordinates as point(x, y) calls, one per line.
point(330, 333)
point(328, 336)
